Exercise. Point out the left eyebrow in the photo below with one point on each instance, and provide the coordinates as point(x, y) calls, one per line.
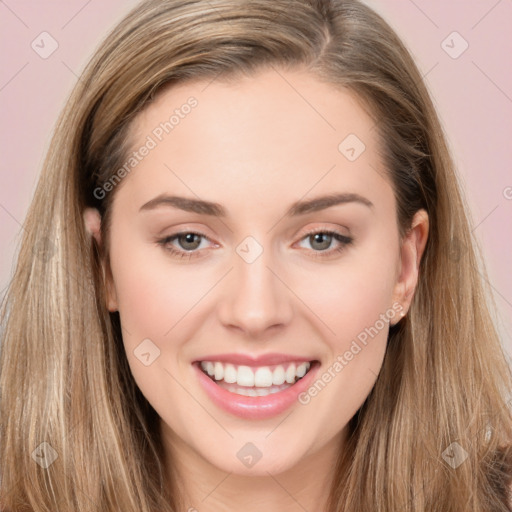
point(323, 202)
point(215, 209)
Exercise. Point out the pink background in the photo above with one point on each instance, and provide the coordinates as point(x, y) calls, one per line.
point(473, 94)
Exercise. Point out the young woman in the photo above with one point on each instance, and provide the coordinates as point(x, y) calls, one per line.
point(237, 288)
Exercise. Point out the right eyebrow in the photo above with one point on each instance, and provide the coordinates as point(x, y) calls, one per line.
point(187, 204)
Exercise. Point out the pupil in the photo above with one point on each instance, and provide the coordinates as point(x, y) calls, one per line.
point(189, 239)
point(323, 239)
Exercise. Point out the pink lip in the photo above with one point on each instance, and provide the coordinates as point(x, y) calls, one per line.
point(257, 407)
point(248, 360)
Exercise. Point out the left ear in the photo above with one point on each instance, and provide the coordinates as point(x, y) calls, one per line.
point(92, 221)
point(411, 251)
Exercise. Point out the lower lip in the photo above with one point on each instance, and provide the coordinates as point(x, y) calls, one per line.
point(257, 407)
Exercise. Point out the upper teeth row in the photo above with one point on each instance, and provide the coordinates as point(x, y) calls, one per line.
point(261, 376)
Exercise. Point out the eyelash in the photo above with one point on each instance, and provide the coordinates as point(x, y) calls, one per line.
point(342, 239)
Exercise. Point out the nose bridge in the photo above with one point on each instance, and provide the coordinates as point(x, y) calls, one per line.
point(255, 299)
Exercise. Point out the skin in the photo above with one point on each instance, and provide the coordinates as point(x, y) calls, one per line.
point(256, 146)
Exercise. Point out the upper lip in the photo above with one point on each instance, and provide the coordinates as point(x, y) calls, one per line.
point(259, 360)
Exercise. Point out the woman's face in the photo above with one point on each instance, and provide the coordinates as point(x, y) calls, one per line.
point(215, 260)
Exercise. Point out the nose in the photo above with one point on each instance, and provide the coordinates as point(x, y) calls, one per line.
point(255, 298)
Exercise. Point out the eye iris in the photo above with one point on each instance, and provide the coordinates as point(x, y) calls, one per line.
point(189, 238)
point(323, 238)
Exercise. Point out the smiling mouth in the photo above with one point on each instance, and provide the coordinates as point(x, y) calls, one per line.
point(255, 381)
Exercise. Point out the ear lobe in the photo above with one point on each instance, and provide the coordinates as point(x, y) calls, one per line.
point(111, 293)
point(92, 221)
point(411, 252)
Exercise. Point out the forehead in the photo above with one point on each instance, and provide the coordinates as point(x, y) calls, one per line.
point(276, 130)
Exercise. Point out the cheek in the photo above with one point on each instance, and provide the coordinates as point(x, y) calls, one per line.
point(354, 303)
point(351, 294)
point(154, 293)
point(158, 306)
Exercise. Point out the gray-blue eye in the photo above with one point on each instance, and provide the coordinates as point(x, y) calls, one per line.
point(321, 241)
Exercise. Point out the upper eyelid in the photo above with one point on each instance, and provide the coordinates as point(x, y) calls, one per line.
point(309, 232)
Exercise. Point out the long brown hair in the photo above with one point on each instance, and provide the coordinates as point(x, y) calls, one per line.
point(66, 388)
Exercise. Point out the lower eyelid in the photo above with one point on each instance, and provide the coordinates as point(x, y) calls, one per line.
point(343, 240)
point(172, 238)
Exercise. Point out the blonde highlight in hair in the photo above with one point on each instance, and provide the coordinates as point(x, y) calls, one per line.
point(64, 376)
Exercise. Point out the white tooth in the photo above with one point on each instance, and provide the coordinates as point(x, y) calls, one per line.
point(251, 392)
point(301, 370)
point(219, 371)
point(245, 376)
point(230, 374)
point(261, 391)
point(210, 368)
point(278, 376)
point(290, 374)
point(263, 377)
